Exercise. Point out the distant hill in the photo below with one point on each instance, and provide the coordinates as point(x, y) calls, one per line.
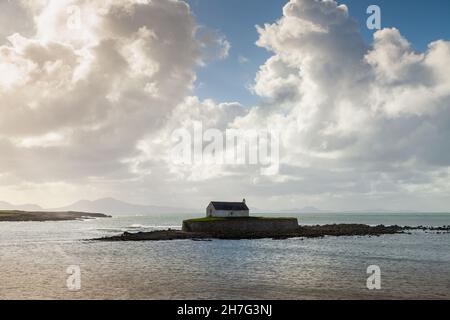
point(24, 207)
point(117, 207)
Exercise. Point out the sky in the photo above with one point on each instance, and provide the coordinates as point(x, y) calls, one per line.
point(420, 22)
point(92, 92)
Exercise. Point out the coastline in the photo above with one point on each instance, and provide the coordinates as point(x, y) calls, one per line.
point(336, 230)
point(43, 216)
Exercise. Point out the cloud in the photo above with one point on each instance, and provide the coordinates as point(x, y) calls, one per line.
point(243, 60)
point(379, 113)
point(74, 103)
point(15, 18)
point(186, 117)
point(96, 105)
point(215, 45)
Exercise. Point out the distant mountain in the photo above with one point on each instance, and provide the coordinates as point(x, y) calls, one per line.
point(24, 207)
point(116, 207)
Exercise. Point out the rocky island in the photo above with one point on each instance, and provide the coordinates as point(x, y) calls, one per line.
point(15, 215)
point(299, 232)
point(232, 221)
point(335, 230)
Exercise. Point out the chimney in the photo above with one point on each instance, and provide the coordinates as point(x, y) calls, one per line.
point(243, 200)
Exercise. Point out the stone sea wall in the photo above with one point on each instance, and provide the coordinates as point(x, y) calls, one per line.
point(236, 226)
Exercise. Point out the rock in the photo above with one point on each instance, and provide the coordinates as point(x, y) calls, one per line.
point(336, 230)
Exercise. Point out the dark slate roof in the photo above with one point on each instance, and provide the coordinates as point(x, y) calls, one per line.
point(233, 206)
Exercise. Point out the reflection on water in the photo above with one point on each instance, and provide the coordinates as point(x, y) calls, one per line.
point(34, 258)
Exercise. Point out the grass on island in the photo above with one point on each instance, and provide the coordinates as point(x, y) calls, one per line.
point(7, 212)
point(212, 219)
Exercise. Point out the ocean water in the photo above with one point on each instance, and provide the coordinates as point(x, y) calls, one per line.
point(34, 257)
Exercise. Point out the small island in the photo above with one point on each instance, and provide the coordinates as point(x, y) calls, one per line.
point(41, 216)
point(232, 221)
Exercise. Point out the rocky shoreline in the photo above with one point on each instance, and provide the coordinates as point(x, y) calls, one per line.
point(22, 216)
point(337, 230)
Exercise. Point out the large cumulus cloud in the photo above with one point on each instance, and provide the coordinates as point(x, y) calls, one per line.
point(357, 120)
point(74, 100)
point(360, 123)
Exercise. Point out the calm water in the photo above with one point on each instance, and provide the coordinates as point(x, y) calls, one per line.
point(34, 258)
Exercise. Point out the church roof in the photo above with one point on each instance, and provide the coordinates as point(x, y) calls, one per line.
point(232, 206)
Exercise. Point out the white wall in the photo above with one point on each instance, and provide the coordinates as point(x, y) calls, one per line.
point(210, 210)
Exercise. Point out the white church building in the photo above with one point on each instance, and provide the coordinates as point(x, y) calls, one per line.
point(227, 209)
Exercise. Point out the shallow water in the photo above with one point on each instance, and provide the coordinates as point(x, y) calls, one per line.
point(34, 258)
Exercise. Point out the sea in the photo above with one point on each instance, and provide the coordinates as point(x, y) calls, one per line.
point(58, 260)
